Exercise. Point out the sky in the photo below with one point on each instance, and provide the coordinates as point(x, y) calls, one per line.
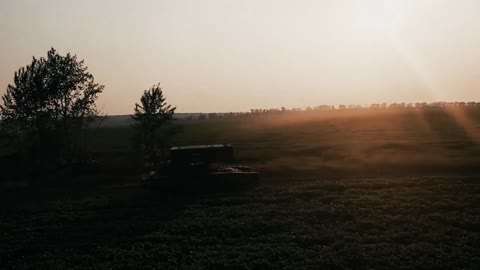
point(235, 55)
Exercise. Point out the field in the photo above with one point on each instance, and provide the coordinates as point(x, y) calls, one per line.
point(350, 190)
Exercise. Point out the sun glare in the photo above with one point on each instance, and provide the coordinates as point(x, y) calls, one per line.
point(378, 16)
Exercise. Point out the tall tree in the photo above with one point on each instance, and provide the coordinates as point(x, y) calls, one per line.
point(52, 96)
point(152, 114)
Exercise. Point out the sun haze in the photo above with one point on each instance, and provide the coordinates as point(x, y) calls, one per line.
point(217, 55)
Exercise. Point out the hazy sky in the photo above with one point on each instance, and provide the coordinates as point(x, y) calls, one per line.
point(221, 55)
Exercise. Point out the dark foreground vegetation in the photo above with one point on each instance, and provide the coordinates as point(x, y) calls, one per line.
point(357, 223)
point(397, 189)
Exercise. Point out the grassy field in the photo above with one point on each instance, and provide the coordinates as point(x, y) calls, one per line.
point(336, 143)
point(356, 190)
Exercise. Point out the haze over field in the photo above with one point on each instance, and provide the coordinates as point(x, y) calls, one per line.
point(237, 55)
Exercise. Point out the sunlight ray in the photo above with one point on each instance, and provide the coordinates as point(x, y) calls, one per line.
point(435, 87)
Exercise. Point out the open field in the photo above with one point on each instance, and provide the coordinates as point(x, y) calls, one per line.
point(364, 190)
point(336, 143)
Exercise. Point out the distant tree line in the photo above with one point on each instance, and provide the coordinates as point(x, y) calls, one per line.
point(384, 106)
point(212, 116)
point(324, 108)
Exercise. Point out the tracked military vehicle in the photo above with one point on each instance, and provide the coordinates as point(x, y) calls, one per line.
point(204, 166)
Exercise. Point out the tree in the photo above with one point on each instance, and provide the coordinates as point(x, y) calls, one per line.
point(53, 97)
point(151, 115)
